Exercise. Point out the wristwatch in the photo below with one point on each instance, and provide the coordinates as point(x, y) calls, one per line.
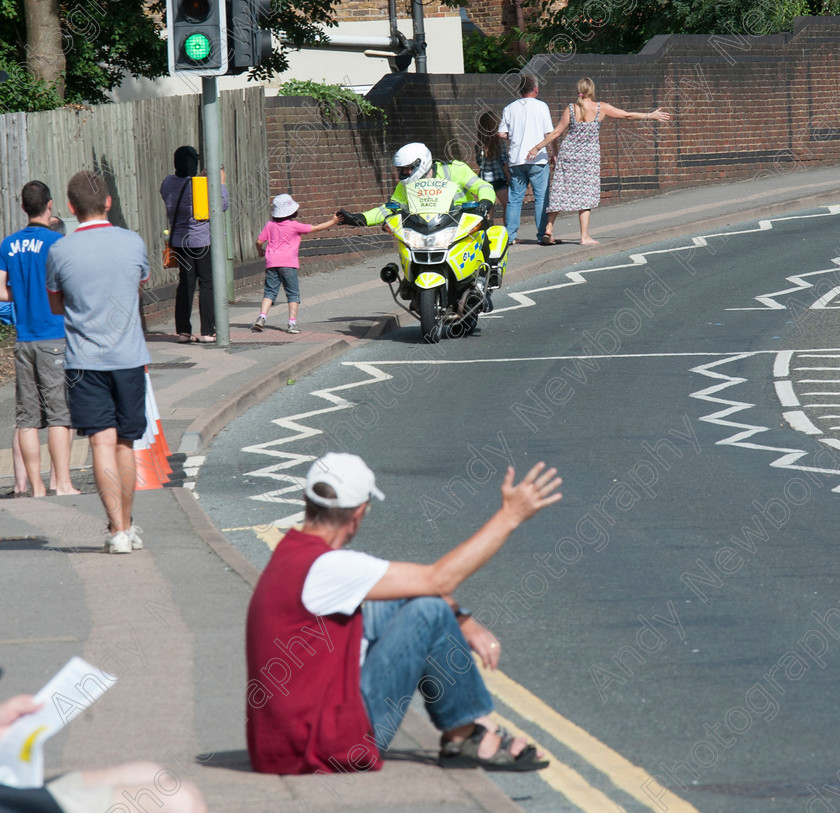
point(463, 612)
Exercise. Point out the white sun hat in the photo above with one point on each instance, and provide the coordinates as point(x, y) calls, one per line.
point(348, 475)
point(283, 206)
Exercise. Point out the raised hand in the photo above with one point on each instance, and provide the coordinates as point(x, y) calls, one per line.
point(536, 490)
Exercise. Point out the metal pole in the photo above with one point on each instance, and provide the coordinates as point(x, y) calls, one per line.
point(213, 156)
point(419, 36)
point(392, 17)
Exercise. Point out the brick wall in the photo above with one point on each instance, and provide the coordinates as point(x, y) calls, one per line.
point(358, 10)
point(741, 106)
point(492, 17)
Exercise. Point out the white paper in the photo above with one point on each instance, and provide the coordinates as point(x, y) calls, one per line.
point(73, 689)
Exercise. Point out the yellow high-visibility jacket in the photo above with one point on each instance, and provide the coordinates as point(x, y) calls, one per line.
point(472, 188)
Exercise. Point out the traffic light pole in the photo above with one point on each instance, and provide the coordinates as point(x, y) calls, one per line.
point(218, 253)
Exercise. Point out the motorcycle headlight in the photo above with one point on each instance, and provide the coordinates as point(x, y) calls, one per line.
point(439, 239)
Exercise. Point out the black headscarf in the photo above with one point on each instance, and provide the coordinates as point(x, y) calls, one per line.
point(186, 162)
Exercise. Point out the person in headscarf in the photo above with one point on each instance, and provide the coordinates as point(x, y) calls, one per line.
point(190, 240)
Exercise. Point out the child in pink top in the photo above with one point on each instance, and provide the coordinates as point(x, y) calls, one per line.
point(280, 242)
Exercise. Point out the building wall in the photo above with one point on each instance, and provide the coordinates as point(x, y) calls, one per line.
point(356, 10)
point(444, 53)
point(492, 17)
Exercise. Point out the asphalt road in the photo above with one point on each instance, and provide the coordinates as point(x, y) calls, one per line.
point(667, 623)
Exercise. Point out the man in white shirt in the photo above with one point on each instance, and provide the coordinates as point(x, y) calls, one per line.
point(523, 120)
point(318, 609)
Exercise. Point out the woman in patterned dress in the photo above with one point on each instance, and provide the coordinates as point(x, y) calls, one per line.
point(576, 185)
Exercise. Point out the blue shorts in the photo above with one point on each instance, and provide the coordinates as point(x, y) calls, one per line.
point(288, 277)
point(108, 399)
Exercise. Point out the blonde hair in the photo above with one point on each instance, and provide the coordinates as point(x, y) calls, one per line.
point(585, 90)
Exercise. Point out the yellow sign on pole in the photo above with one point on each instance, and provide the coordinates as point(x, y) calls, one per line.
point(200, 197)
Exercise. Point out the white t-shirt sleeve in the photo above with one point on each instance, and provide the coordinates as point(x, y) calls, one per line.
point(547, 123)
point(338, 581)
point(504, 124)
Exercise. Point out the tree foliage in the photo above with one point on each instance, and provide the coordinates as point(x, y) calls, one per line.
point(103, 40)
point(749, 16)
point(299, 22)
point(490, 54)
point(331, 99)
point(624, 26)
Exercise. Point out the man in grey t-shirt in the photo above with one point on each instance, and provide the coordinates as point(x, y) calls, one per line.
point(94, 278)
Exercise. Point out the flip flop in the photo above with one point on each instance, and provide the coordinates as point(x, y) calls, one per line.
point(186, 338)
point(547, 240)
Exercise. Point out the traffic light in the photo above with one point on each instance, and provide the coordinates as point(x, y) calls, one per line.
point(198, 39)
point(250, 45)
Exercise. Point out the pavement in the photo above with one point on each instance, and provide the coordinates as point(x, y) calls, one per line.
point(169, 620)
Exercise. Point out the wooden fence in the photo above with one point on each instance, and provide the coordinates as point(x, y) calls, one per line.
point(131, 144)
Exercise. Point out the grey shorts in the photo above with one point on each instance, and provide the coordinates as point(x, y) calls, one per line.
point(40, 399)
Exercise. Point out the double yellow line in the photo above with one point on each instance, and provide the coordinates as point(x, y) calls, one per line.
point(621, 772)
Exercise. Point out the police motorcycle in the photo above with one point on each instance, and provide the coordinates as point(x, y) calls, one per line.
point(449, 259)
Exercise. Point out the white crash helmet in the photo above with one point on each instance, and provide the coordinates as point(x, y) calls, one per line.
point(413, 161)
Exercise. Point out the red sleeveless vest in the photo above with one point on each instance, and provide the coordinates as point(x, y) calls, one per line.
point(305, 710)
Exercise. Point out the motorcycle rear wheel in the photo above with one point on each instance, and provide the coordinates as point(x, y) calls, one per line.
point(431, 315)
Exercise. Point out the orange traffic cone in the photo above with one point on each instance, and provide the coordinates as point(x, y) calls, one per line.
point(148, 475)
point(160, 448)
point(153, 415)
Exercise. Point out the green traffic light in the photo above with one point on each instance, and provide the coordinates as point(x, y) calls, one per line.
point(197, 47)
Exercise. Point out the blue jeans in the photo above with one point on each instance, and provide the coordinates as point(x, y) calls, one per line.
point(416, 644)
point(520, 176)
point(288, 277)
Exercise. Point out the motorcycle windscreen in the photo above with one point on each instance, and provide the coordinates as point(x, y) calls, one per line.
point(431, 196)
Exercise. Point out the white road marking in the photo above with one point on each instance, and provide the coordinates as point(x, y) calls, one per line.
point(580, 356)
point(781, 367)
point(787, 457)
point(799, 421)
point(785, 394)
point(524, 299)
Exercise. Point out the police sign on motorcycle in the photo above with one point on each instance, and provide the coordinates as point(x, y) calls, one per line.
point(449, 258)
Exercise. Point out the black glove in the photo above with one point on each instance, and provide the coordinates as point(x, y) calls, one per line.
point(484, 207)
point(351, 219)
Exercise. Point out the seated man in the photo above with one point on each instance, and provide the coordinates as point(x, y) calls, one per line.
point(338, 641)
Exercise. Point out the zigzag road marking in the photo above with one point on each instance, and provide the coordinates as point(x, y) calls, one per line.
point(640, 259)
point(788, 458)
point(300, 427)
point(299, 431)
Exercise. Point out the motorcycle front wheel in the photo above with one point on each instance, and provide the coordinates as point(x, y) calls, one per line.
point(431, 314)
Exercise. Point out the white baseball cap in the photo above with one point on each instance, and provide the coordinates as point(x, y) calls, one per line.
point(348, 475)
point(283, 206)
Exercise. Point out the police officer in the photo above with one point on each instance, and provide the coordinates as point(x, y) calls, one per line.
point(414, 161)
